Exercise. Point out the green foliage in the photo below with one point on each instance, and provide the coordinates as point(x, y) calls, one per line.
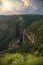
point(10, 27)
point(37, 29)
point(32, 60)
point(21, 59)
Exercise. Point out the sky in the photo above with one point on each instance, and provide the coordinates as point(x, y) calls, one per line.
point(16, 7)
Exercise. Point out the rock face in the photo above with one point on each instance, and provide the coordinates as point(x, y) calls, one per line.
point(31, 37)
point(19, 40)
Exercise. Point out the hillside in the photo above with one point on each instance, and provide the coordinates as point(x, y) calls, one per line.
point(35, 32)
point(12, 29)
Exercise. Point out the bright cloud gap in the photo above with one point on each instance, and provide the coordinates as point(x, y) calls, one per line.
point(11, 7)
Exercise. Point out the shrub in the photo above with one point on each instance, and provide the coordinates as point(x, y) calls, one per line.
point(21, 59)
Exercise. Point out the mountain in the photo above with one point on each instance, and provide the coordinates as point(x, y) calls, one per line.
point(21, 33)
point(35, 34)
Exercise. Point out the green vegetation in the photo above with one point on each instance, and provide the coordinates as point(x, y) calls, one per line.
point(18, 47)
point(12, 26)
point(20, 59)
point(37, 29)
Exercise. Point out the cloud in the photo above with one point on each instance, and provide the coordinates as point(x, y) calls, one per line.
point(28, 3)
point(15, 7)
point(10, 7)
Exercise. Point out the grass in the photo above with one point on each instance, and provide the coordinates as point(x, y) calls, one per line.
point(20, 59)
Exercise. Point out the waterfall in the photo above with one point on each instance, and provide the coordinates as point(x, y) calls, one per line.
point(23, 35)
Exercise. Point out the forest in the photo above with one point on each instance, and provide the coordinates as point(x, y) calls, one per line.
point(21, 39)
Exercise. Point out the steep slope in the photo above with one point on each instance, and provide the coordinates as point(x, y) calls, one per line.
point(36, 29)
point(11, 29)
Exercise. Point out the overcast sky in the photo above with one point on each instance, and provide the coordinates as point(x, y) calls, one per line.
point(11, 7)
